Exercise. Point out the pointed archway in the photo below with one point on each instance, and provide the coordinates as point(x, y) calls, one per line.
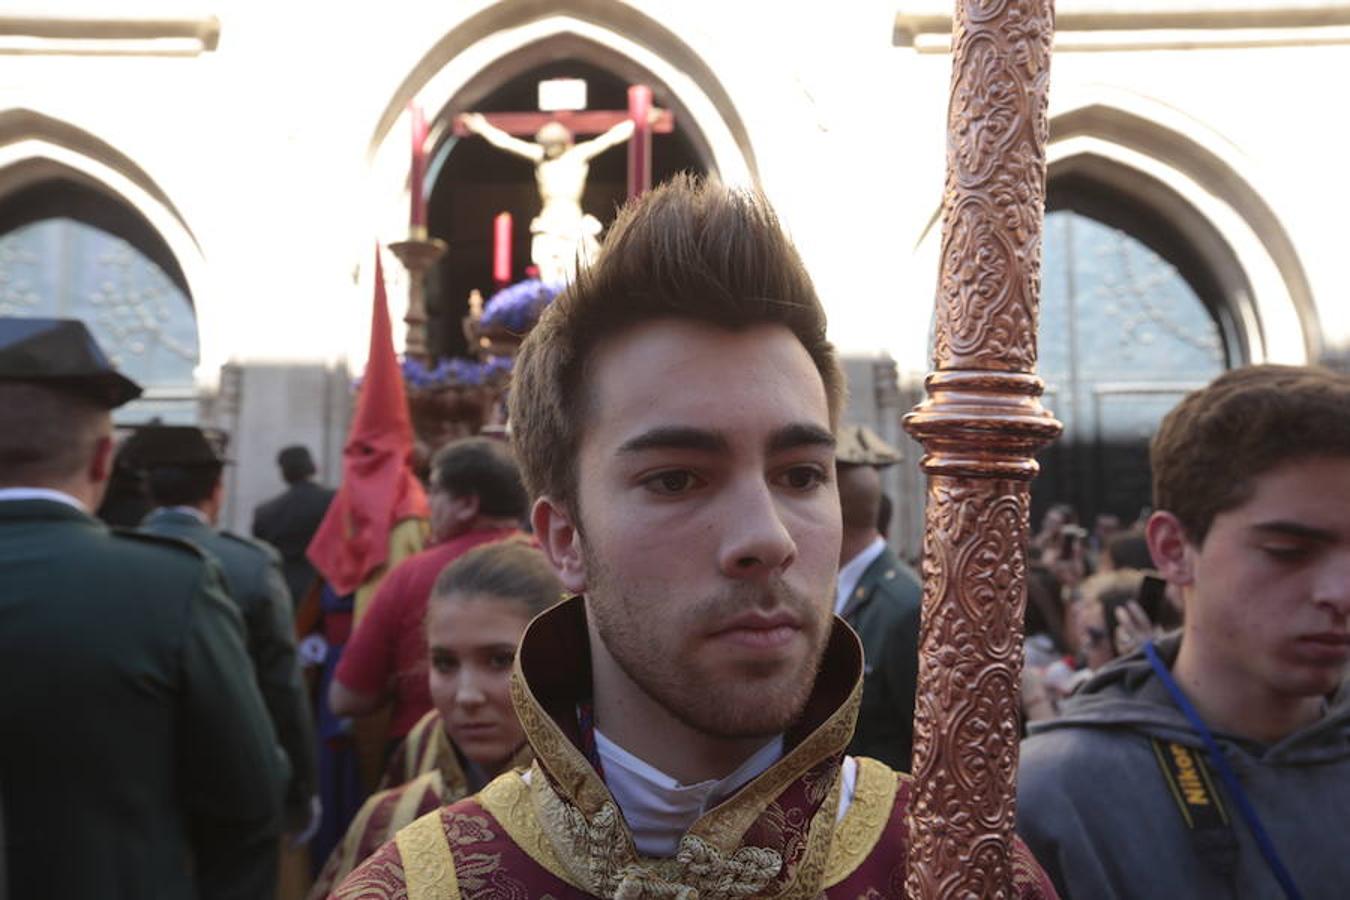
point(85, 233)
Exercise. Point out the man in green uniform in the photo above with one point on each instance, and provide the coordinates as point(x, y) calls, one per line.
point(184, 471)
point(880, 597)
point(137, 759)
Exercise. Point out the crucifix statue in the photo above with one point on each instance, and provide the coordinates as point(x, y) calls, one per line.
point(563, 235)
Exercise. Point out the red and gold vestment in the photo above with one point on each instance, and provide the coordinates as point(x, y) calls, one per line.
point(556, 832)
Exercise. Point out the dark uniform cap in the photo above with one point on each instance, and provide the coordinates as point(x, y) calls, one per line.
point(155, 446)
point(858, 445)
point(61, 353)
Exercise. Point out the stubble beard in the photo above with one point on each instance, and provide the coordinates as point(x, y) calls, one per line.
point(759, 700)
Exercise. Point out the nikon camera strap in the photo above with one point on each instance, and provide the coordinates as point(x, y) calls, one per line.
point(1201, 807)
point(1225, 771)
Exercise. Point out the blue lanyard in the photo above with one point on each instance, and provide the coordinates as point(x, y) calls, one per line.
point(1244, 805)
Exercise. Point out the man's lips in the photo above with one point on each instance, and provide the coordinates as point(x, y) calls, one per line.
point(473, 729)
point(760, 630)
point(1329, 646)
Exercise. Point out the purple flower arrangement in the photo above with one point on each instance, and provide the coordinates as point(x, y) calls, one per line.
point(515, 309)
point(455, 372)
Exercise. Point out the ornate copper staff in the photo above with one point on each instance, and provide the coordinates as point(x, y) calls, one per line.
point(980, 427)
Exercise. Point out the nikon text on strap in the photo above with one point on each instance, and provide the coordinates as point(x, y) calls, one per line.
point(1201, 807)
point(1226, 773)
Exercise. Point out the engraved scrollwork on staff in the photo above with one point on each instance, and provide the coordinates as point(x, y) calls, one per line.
point(980, 427)
point(995, 191)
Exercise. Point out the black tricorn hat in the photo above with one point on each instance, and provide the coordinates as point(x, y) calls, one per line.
point(164, 446)
point(61, 353)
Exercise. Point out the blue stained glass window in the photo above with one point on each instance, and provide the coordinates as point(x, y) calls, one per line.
point(1122, 337)
point(143, 321)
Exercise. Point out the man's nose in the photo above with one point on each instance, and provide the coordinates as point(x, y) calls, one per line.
point(1332, 588)
point(756, 543)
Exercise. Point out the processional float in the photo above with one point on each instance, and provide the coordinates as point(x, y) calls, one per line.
point(450, 398)
point(980, 427)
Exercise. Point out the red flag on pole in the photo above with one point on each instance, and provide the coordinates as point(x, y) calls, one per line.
point(378, 487)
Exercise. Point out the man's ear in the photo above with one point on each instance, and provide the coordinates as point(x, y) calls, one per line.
point(1170, 547)
point(101, 463)
point(561, 541)
point(465, 509)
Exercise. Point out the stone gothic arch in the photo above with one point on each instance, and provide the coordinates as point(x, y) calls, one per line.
point(37, 148)
point(508, 39)
point(1158, 159)
point(1154, 156)
point(511, 37)
point(1161, 178)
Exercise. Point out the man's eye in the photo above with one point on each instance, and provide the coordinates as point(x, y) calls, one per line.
point(444, 664)
point(502, 661)
point(1286, 552)
point(676, 481)
point(803, 478)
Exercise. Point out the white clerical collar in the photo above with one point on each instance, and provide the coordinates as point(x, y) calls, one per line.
point(657, 808)
point(186, 511)
point(853, 570)
point(26, 493)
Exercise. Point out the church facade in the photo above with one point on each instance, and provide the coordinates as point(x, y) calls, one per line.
point(205, 183)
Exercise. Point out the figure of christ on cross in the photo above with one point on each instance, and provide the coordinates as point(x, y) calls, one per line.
point(563, 235)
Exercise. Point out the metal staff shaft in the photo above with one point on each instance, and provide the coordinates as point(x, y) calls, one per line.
point(980, 427)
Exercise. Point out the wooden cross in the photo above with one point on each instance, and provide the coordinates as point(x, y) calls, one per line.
point(588, 122)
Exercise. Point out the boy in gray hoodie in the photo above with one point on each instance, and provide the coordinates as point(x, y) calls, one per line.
point(1217, 763)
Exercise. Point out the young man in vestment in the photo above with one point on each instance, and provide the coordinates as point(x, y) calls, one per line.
point(1216, 762)
point(689, 708)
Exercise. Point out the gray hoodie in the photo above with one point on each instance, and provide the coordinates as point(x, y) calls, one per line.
point(1096, 810)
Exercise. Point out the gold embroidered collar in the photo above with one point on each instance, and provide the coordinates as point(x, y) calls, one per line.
point(752, 844)
point(427, 748)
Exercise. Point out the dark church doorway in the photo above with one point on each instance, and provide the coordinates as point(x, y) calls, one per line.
point(1130, 321)
point(477, 181)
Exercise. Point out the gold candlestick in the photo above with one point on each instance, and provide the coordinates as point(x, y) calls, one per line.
point(418, 254)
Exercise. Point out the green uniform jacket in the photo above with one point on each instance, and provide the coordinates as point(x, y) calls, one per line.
point(136, 757)
point(884, 610)
point(256, 585)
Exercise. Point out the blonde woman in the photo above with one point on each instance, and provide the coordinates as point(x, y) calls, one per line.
point(478, 610)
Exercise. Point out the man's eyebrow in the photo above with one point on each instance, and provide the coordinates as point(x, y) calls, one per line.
point(792, 437)
point(683, 437)
point(1295, 529)
point(675, 437)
